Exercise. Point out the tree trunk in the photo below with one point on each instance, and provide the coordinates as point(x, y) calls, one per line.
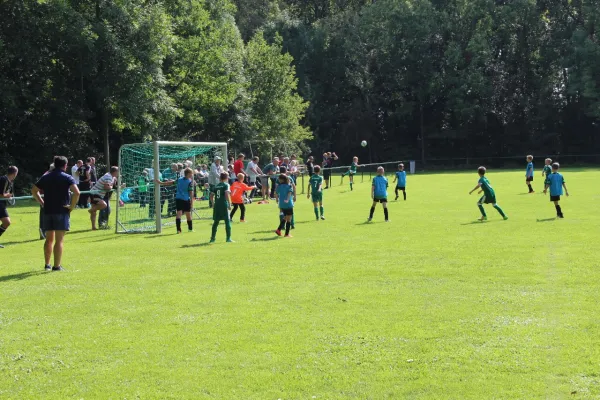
point(104, 131)
point(422, 125)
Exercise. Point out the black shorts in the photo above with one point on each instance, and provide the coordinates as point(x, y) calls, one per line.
point(401, 187)
point(383, 200)
point(183, 205)
point(56, 222)
point(529, 179)
point(95, 198)
point(3, 212)
point(326, 174)
point(287, 211)
point(554, 198)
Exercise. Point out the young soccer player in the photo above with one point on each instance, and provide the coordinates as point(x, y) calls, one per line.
point(547, 168)
point(529, 173)
point(284, 171)
point(556, 182)
point(379, 193)
point(401, 181)
point(489, 196)
point(285, 199)
point(184, 198)
point(6, 192)
point(237, 196)
point(220, 196)
point(316, 187)
point(351, 171)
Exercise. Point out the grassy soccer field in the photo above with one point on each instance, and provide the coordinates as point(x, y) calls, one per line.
point(430, 305)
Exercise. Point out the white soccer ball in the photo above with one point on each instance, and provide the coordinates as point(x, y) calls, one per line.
point(363, 143)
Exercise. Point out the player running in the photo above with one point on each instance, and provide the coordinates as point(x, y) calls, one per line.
point(316, 187)
point(489, 196)
point(556, 182)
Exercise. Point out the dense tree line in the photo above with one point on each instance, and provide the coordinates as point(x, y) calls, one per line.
point(415, 78)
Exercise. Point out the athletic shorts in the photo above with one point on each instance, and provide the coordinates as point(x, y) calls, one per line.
point(95, 198)
point(287, 211)
point(487, 200)
point(56, 222)
point(220, 215)
point(183, 205)
point(326, 173)
point(401, 187)
point(3, 212)
point(530, 179)
point(554, 198)
point(317, 197)
point(264, 181)
point(380, 200)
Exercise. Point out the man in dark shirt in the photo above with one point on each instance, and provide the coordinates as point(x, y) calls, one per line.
point(57, 208)
point(6, 192)
point(85, 182)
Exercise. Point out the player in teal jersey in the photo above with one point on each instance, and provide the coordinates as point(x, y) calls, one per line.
point(285, 200)
point(220, 196)
point(547, 169)
point(351, 171)
point(489, 196)
point(556, 182)
point(184, 198)
point(379, 193)
point(284, 171)
point(315, 190)
point(401, 179)
point(529, 173)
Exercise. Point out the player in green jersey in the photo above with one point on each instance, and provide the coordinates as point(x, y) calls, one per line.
point(489, 196)
point(547, 169)
point(351, 171)
point(316, 187)
point(220, 196)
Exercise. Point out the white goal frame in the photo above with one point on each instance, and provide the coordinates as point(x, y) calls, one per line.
point(156, 166)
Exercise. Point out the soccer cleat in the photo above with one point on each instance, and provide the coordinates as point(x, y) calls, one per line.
point(483, 219)
point(323, 217)
point(505, 218)
point(178, 232)
point(1, 247)
point(230, 241)
point(396, 197)
point(288, 236)
point(212, 241)
point(293, 227)
point(387, 220)
point(190, 230)
point(561, 216)
point(48, 267)
point(369, 219)
point(278, 232)
point(242, 221)
point(59, 268)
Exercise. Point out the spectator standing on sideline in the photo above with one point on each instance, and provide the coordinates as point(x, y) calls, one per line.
point(238, 166)
point(84, 173)
point(41, 222)
point(75, 169)
point(310, 167)
point(272, 170)
point(56, 186)
point(216, 169)
point(328, 159)
point(93, 172)
point(253, 172)
point(6, 192)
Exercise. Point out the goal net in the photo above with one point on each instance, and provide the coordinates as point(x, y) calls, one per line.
point(146, 207)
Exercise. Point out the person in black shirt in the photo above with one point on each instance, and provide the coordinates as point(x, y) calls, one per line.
point(57, 186)
point(6, 192)
point(85, 182)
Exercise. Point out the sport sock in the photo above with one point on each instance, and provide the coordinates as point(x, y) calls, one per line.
point(404, 192)
point(2, 230)
point(288, 225)
point(190, 227)
point(281, 225)
point(317, 212)
point(178, 223)
point(558, 210)
point(385, 212)
point(482, 210)
point(372, 212)
point(530, 188)
point(351, 186)
point(497, 207)
point(322, 211)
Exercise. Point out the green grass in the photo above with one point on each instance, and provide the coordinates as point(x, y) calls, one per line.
point(431, 305)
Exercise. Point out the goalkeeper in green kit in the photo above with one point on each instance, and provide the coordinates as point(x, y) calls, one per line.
point(489, 196)
point(220, 196)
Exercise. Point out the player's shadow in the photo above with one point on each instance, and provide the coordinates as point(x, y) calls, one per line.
point(479, 222)
point(546, 220)
point(189, 246)
point(20, 276)
point(162, 235)
point(265, 239)
point(22, 242)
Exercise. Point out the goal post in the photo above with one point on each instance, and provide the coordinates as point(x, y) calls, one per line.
point(148, 207)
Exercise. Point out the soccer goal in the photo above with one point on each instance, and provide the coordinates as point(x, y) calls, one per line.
point(146, 207)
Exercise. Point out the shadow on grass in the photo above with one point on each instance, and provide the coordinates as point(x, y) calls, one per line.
point(370, 222)
point(258, 232)
point(478, 222)
point(189, 246)
point(546, 220)
point(265, 239)
point(158, 236)
point(20, 276)
point(22, 242)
